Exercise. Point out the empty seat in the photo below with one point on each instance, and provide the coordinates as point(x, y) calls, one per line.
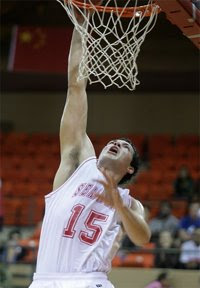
point(156, 176)
point(158, 144)
point(188, 140)
point(12, 208)
point(142, 258)
point(169, 177)
point(117, 261)
point(179, 208)
point(195, 174)
point(106, 138)
point(139, 140)
point(160, 192)
point(139, 191)
point(143, 177)
point(7, 188)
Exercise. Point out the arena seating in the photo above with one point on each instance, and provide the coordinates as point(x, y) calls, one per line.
point(29, 163)
point(144, 258)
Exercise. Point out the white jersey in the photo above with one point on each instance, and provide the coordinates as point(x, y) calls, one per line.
point(78, 231)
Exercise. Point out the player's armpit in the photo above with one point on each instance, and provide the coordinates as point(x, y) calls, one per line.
point(68, 164)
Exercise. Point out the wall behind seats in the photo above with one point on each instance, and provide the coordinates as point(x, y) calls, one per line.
point(109, 112)
point(139, 278)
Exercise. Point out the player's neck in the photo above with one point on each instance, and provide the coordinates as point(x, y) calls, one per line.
point(111, 172)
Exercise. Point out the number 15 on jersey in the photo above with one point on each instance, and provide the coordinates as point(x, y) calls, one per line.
point(92, 231)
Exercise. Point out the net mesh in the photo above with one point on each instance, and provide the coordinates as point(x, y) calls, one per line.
point(111, 41)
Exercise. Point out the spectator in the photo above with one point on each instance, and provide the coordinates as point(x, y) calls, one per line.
point(183, 185)
point(190, 252)
point(189, 222)
point(13, 251)
point(162, 281)
point(17, 249)
point(163, 221)
point(196, 3)
point(30, 245)
point(166, 258)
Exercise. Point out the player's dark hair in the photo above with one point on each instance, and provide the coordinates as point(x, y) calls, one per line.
point(135, 163)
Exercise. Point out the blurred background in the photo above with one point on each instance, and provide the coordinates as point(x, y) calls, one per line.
point(161, 117)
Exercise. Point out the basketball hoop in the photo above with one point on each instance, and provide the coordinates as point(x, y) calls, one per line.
point(111, 38)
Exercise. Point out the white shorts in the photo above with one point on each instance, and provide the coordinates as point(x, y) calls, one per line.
point(71, 280)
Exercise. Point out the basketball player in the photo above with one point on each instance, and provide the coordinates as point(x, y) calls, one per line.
point(87, 211)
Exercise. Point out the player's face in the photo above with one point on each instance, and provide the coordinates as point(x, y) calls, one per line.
point(117, 150)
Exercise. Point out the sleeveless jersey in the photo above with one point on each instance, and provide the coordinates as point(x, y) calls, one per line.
point(78, 231)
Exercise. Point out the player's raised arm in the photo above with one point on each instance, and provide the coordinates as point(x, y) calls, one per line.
point(75, 145)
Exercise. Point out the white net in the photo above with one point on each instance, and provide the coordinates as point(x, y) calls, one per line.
point(111, 42)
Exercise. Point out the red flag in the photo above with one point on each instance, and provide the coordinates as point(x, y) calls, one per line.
point(40, 49)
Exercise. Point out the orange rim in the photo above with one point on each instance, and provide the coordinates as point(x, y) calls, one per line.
point(145, 10)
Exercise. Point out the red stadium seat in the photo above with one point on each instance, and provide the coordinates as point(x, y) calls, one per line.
point(139, 140)
point(160, 192)
point(12, 209)
point(105, 138)
point(169, 177)
point(188, 140)
point(156, 176)
point(143, 259)
point(143, 177)
point(7, 188)
point(179, 208)
point(140, 191)
point(160, 145)
point(195, 174)
point(117, 261)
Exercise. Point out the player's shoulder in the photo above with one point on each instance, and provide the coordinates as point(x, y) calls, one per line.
point(137, 206)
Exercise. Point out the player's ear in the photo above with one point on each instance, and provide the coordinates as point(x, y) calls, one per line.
point(130, 170)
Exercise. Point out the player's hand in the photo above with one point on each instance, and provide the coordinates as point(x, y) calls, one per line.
point(110, 196)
